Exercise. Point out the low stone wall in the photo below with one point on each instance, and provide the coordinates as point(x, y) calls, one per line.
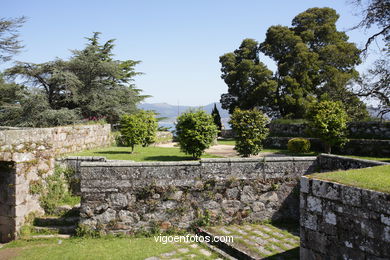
point(28, 155)
point(356, 130)
point(343, 222)
point(123, 197)
point(352, 147)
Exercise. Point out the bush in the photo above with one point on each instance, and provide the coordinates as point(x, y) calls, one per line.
point(298, 145)
point(138, 129)
point(250, 128)
point(328, 121)
point(195, 131)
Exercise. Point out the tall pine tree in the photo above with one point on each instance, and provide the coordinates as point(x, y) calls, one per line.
point(217, 118)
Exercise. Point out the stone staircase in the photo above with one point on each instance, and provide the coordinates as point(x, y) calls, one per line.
point(62, 226)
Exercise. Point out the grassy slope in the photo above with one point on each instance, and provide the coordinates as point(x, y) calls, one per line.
point(150, 153)
point(374, 178)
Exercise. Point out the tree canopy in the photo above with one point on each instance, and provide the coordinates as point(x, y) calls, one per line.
point(314, 62)
point(250, 83)
point(90, 85)
point(9, 42)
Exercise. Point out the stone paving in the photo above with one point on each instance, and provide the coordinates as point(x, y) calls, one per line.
point(259, 241)
point(187, 251)
point(262, 240)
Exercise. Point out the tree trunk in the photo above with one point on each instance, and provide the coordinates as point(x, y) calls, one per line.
point(328, 148)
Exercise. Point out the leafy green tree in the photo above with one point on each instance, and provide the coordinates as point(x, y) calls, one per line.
point(195, 131)
point(217, 118)
point(313, 59)
point(250, 127)
point(250, 83)
point(92, 83)
point(9, 42)
point(314, 62)
point(138, 129)
point(328, 121)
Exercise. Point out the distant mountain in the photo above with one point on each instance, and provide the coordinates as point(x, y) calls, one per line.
point(172, 111)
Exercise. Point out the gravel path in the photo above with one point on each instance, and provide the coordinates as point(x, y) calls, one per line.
point(223, 150)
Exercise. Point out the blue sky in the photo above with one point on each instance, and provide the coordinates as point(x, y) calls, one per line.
point(179, 42)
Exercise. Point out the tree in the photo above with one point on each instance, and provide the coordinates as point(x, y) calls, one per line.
point(11, 96)
point(138, 129)
point(91, 82)
point(9, 43)
point(328, 121)
point(250, 83)
point(313, 59)
point(314, 62)
point(195, 131)
point(250, 127)
point(217, 118)
point(375, 83)
point(375, 12)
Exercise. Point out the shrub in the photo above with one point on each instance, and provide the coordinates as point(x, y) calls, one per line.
point(328, 121)
point(138, 129)
point(298, 145)
point(250, 128)
point(195, 131)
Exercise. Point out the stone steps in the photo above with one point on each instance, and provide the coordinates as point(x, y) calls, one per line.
point(63, 236)
point(56, 221)
point(62, 226)
point(49, 230)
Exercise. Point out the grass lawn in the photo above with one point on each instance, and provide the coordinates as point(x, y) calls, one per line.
point(100, 248)
point(227, 141)
point(94, 248)
point(374, 178)
point(140, 154)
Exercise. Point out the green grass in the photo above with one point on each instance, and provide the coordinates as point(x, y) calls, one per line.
point(107, 247)
point(88, 248)
point(227, 141)
point(382, 159)
point(374, 178)
point(140, 154)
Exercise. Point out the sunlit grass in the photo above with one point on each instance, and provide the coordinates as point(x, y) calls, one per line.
point(373, 178)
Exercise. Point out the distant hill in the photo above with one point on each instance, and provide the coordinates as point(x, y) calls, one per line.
point(172, 111)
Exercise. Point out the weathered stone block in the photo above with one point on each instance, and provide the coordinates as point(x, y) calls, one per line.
point(305, 184)
point(309, 221)
point(314, 204)
point(351, 195)
point(326, 189)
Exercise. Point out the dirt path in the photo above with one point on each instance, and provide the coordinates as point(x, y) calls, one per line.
point(223, 150)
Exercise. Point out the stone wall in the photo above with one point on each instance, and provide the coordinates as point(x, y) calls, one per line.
point(31, 152)
point(343, 222)
point(356, 130)
point(123, 197)
point(363, 147)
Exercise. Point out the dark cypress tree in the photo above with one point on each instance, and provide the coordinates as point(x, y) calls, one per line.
point(217, 119)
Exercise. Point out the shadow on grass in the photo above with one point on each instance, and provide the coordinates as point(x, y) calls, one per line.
point(289, 254)
point(168, 158)
point(286, 152)
point(114, 152)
